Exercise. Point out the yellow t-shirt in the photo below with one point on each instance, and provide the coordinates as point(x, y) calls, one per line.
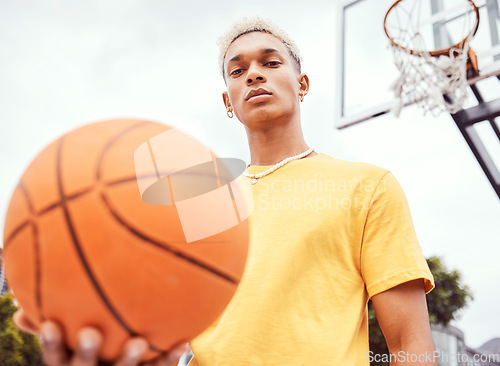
point(325, 235)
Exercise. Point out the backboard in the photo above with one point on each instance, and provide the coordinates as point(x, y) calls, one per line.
point(365, 65)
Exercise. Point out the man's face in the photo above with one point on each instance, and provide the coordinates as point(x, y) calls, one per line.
point(262, 79)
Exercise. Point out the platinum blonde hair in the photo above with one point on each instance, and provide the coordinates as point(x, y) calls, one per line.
point(255, 24)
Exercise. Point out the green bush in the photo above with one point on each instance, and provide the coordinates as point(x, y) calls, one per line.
point(17, 348)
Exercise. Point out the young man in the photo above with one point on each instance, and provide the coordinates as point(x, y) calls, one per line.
point(326, 235)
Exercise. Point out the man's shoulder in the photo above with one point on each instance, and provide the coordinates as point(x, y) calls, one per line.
point(350, 169)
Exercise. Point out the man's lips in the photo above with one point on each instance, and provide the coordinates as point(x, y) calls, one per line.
point(256, 93)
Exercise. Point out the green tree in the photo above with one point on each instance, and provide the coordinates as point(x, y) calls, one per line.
point(17, 348)
point(449, 296)
point(444, 304)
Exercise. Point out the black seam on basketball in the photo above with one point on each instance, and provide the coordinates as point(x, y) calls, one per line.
point(155, 358)
point(161, 355)
point(79, 250)
point(49, 208)
point(14, 233)
point(110, 143)
point(28, 200)
point(38, 272)
point(68, 198)
point(45, 210)
point(165, 245)
point(36, 249)
point(80, 193)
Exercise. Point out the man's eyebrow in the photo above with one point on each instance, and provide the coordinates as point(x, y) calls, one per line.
point(269, 50)
point(235, 58)
point(265, 50)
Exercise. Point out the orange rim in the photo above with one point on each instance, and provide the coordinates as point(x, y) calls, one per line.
point(436, 53)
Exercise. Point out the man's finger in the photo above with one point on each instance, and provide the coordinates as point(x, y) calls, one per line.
point(54, 352)
point(22, 322)
point(89, 343)
point(132, 352)
point(172, 358)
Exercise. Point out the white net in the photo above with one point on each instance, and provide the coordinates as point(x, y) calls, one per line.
point(435, 83)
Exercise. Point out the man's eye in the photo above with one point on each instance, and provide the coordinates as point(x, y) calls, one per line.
point(273, 63)
point(236, 72)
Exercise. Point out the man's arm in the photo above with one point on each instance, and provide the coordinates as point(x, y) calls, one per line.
point(403, 317)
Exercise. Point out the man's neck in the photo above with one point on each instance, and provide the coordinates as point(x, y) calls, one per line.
point(270, 146)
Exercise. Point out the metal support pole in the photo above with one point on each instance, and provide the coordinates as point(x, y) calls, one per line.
point(465, 120)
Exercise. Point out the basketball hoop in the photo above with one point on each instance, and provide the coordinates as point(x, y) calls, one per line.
point(436, 80)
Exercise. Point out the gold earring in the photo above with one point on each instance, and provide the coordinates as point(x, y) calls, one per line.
point(230, 113)
point(302, 97)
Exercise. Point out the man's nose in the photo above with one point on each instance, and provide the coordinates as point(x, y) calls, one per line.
point(255, 74)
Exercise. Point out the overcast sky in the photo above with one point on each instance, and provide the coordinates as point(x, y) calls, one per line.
point(67, 63)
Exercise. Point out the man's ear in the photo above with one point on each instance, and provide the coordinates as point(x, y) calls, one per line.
point(227, 102)
point(304, 83)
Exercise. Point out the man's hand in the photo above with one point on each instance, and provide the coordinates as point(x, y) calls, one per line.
point(403, 317)
point(90, 341)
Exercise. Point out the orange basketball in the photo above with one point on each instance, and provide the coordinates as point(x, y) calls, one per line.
point(129, 226)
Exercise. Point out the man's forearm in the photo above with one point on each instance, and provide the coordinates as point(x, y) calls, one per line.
point(415, 353)
point(404, 320)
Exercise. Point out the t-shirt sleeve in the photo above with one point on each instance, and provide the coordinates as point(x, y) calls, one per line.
point(390, 252)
